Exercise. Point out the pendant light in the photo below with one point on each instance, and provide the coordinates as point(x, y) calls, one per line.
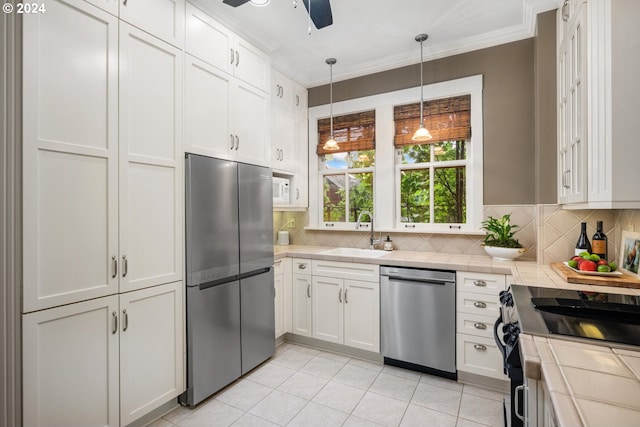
point(422, 134)
point(331, 144)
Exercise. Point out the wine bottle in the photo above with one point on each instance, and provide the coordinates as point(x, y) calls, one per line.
point(583, 244)
point(600, 242)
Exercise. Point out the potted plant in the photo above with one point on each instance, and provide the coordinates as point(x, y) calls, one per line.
point(499, 241)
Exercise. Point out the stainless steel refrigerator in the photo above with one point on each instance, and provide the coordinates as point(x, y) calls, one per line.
point(229, 259)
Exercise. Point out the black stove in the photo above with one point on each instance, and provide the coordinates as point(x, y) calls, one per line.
point(595, 317)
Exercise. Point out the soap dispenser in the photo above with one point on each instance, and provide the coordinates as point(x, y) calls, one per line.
point(388, 244)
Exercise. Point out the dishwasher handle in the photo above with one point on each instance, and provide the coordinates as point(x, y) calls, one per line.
point(419, 279)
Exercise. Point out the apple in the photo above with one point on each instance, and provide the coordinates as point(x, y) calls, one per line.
point(602, 262)
point(587, 266)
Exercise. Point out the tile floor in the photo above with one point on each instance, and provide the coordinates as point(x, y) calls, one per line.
point(302, 386)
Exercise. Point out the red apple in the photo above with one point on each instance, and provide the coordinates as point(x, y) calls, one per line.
point(603, 262)
point(587, 266)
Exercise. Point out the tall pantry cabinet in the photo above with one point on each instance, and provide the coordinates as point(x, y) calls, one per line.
point(102, 181)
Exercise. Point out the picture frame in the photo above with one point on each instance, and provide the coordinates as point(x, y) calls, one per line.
point(629, 253)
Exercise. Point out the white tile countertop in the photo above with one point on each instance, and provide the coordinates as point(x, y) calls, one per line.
point(589, 385)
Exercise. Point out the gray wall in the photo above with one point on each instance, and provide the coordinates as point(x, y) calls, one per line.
point(516, 170)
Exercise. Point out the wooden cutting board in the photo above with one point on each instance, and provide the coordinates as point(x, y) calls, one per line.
point(623, 281)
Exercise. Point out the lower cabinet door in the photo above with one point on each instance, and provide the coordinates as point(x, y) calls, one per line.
point(479, 355)
point(328, 312)
point(362, 315)
point(151, 349)
point(70, 365)
point(301, 311)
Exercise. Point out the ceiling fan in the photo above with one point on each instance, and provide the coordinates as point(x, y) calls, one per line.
point(320, 12)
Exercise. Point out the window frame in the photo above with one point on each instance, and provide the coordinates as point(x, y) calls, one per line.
point(385, 183)
point(431, 166)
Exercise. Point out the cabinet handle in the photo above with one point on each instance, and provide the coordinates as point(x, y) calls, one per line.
point(480, 347)
point(237, 142)
point(409, 226)
point(282, 155)
point(479, 325)
point(297, 100)
point(231, 50)
point(346, 293)
point(237, 58)
point(114, 315)
point(480, 283)
point(340, 295)
point(297, 193)
point(125, 320)
point(565, 13)
point(124, 3)
point(519, 389)
point(329, 224)
point(114, 267)
point(479, 304)
point(309, 290)
point(125, 267)
point(231, 138)
point(302, 266)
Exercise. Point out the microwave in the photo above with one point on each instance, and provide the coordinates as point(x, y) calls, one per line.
point(280, 191)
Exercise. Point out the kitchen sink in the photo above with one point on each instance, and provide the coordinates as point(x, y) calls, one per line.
point(355, 252)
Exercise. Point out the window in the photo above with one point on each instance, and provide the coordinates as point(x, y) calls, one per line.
point(432, 176)
point(347, 174)
point(428, 188)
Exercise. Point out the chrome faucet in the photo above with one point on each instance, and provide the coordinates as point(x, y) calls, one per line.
point(372, 242)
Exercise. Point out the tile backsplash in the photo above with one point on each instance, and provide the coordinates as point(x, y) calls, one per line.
point(549, 232)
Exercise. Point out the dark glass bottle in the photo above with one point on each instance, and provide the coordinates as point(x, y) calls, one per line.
point(599, 242)
point(583, 244)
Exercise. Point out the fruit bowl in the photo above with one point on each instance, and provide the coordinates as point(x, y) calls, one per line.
point(593, 273)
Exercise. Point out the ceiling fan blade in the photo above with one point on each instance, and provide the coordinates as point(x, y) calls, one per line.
point(320, 12)
point(235, 3)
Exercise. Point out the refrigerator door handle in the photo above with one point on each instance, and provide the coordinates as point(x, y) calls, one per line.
point(254, 273)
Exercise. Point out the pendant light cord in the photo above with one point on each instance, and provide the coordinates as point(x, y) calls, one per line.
point(421, 87)
point(330, 96)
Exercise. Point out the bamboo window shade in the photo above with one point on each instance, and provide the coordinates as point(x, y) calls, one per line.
point(447, 119)
point(352, 132)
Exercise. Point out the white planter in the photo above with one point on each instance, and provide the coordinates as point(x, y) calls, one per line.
point(504, 254)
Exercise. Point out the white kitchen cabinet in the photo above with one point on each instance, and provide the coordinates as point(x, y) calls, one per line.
point(278, 299)
point(597, 103)
point(151, 349)
point(164, 19)
point(289, 136)
point(345, 310)
point(327, 309)
point(224, 117)
point(103, 362)
point(70, 365)
point(301, 297)
point(572, 106)
point(477, 308)
point(213, 43)
point(70, 154)
point(102, 176)
point(151, 160)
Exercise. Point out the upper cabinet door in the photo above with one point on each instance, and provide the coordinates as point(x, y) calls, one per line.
point(70, 154)
point(252, 65)
point(207, 110)
point(208, 40)
point(151, 161)
point(251, 125)
point(162, 18)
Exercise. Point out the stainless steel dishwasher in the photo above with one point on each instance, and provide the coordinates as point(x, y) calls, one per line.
point(418, 319)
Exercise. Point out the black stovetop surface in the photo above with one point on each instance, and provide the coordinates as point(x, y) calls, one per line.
point(596, 317)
